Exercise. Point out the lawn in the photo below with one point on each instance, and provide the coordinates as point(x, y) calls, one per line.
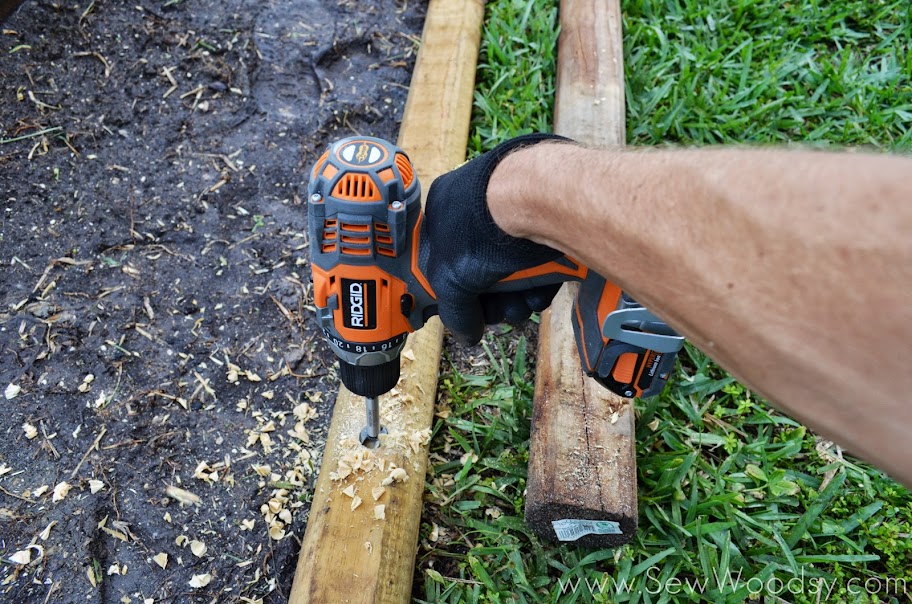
point(737, 501)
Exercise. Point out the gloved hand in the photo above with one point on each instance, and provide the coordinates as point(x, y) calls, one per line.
point(469, 253)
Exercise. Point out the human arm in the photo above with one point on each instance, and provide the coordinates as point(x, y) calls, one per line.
point(792, 269)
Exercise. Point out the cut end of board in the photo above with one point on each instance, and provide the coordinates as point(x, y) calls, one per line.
point(582, 457)
point(580, 526)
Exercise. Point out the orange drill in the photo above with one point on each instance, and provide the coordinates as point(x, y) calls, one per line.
point(369, 254)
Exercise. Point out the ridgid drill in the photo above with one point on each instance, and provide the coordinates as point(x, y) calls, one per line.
point(369, 253)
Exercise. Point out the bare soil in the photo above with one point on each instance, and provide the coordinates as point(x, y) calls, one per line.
point(156, 344)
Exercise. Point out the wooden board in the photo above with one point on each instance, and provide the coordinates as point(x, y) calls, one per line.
point(349, 556)
point(582, 462)
point(7, 7)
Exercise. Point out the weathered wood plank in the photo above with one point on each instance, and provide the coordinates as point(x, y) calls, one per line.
point(582, 462)
point(350, 555)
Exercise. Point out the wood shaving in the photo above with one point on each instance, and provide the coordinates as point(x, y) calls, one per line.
point(266, 443)
point(182, 495)
point(419, 438)
point(380, 512)
point(161, 559)
point(304, 412)
point(467, 456)
point(60, 492)
point(206, 473)
point(276, 514)
point(300, 432)
point(377, 493)
point(95, 486)
point(198, 548)
point(356, 501)
point(115, 533)
point(342, 471)
point(199, 581)
point(395, 475)
point(359, 460)
point(86, 384)
point(261, 470)
point(147, 306)
point(30, 430)
point(47, 531)
point(349, 490)
point(23, 556)
point(12, 391)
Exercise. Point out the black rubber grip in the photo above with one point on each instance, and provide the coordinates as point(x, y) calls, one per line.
point(369, 380)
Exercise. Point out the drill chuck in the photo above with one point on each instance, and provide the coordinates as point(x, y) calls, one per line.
point(369, 380)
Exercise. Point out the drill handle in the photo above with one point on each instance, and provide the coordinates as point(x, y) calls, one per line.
point(563, 269)
point(621, 344)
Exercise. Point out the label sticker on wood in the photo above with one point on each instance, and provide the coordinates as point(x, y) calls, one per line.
point(570, 529)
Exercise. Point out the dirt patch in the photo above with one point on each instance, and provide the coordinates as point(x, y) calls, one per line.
point(154, 318)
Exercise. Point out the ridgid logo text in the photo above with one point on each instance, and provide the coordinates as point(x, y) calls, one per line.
point(358, 303)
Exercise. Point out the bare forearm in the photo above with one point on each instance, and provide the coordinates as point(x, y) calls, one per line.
point(792, 269)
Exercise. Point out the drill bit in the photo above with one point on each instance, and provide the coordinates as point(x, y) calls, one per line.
point(370, 435)
point(373, 416)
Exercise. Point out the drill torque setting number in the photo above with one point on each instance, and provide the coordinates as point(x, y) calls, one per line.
point(362, 347)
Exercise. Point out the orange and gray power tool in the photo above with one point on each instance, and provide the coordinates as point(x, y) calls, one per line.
point(369, 255)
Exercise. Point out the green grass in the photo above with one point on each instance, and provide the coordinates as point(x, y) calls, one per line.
point(514, 89)
point(758, 71)
point(729, 488)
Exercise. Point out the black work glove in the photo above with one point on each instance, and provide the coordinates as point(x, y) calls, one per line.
point(469, 253)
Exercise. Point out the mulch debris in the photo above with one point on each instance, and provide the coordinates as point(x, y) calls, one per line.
point(166, 393)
